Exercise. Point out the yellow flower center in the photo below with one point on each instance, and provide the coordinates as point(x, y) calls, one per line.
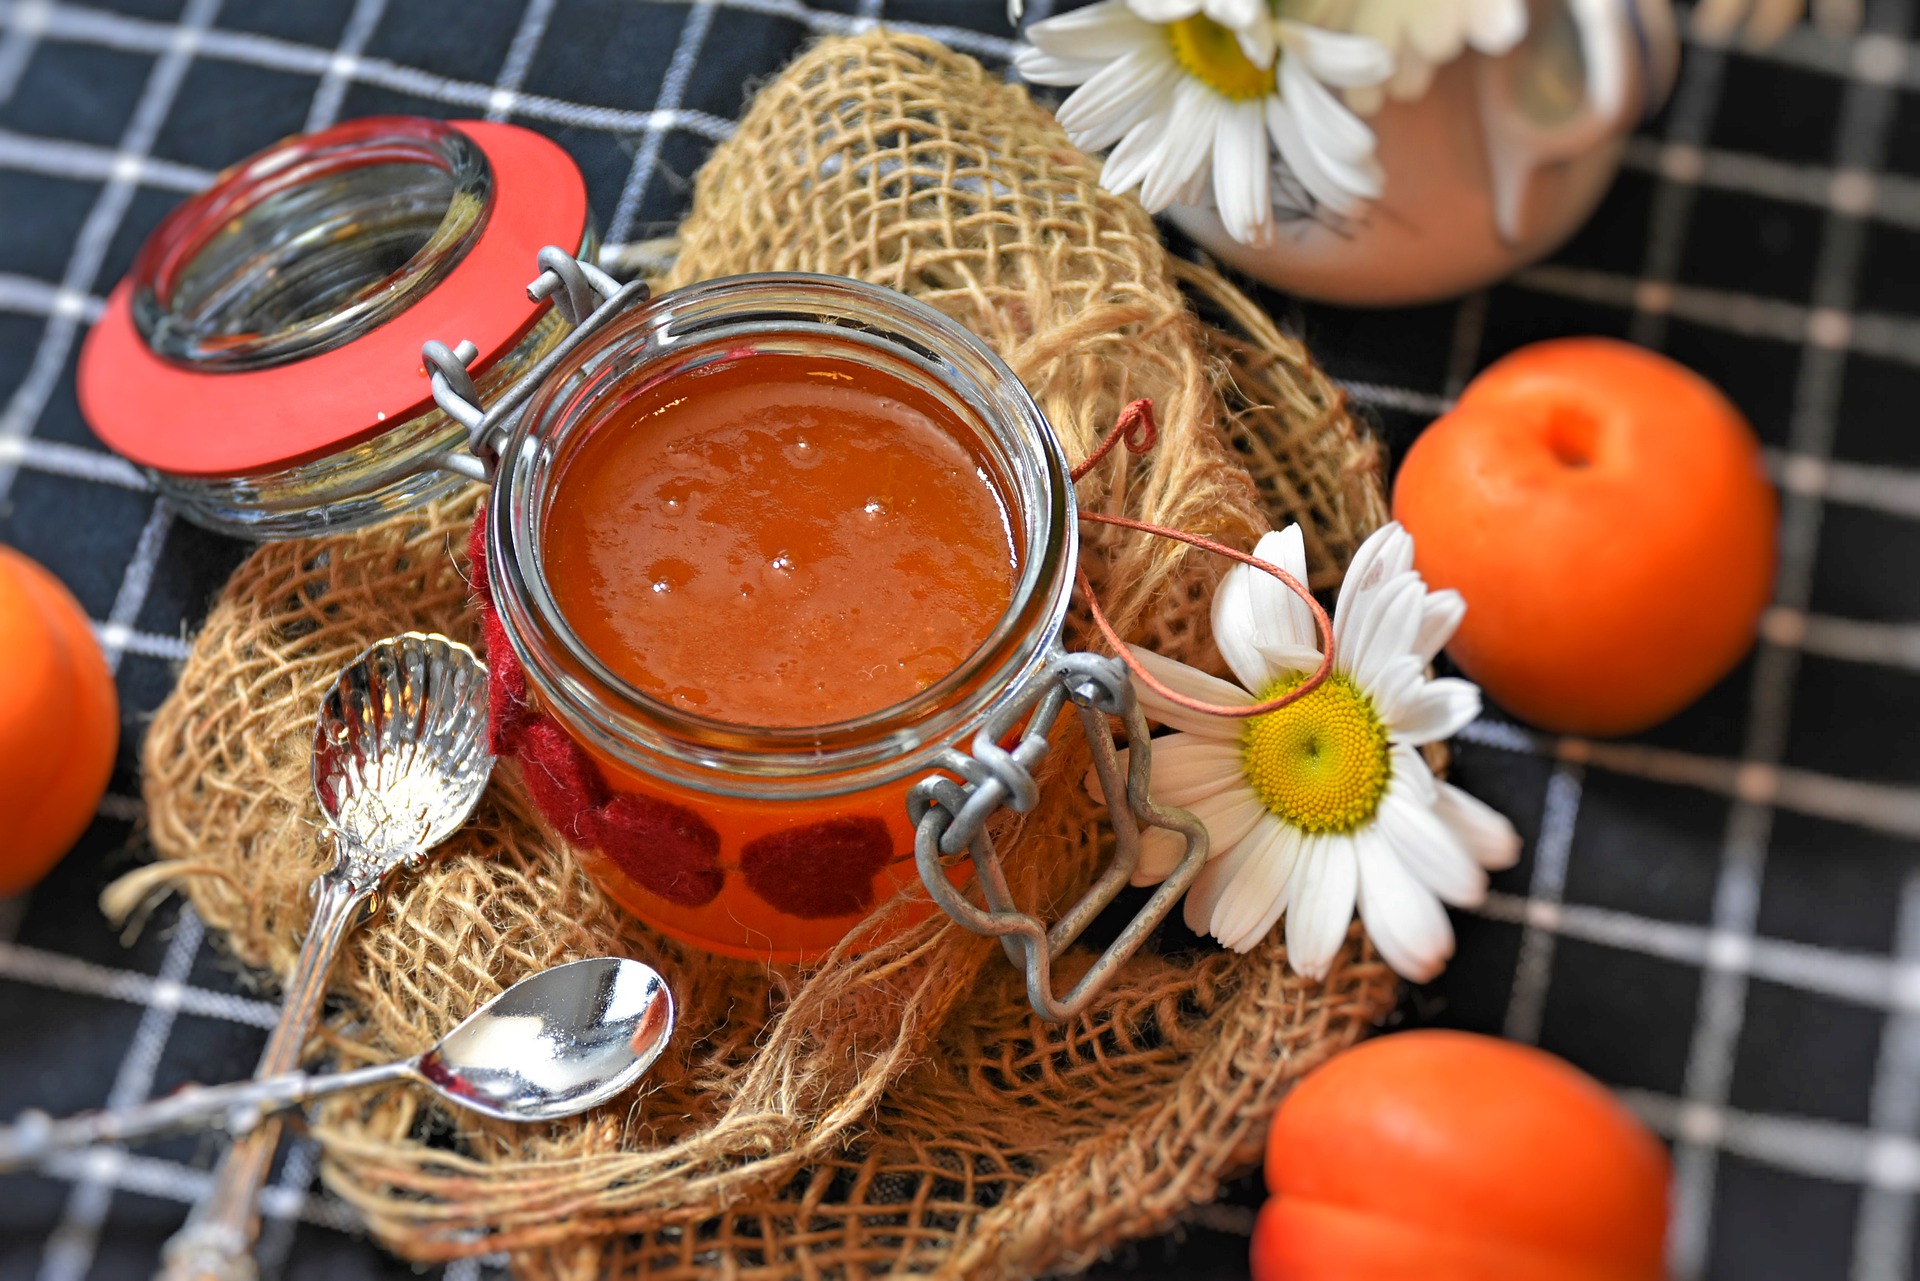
point(1212, 55)
point(1321, 764)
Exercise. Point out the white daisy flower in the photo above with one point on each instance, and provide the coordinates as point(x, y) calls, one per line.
point(1201, 100)
point(1325, 804)
point(1425, 35)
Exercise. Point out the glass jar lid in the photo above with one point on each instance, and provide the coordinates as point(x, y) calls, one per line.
point(277, 318)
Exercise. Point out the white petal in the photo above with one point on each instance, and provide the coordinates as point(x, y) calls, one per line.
point(1194, 684)
point(1041, 68)
point(1367, 100)
point(1387, 552)
point(1287, 658)
point(1260, 43)
point(1404, 920)
point(1301, 159)
point(1411, 78)
point(1485, 831)
point(1320, 905)
point(1389, 622)
point(1341, 143)
point(1334, 131)
point(1102, 31)
point(1254, 892)
point(1357, 617)
point(1337, 57)
point(1396, 687)
point(1186, 768)
point(1151, 104)
point(1439, 709)
point(1240, 159)
point(1285, 621)
point(1381, 20)
point(1165, 10)
point(1440, 615)
point(1261, 627)
point(1236, 15)
point(1495, 26)
point(1120, 86)
point(1410, 772)
point(1359, 181)
point(1129, 163)
point(1227, 817)
point(1199, 190)
point(1236, 632)
point(1220, 876)
point(1160, 852)
point(1195, 118)
point(1431, 851)
point(1435, 30)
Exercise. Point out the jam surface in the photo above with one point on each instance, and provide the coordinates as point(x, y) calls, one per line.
point(779, 540)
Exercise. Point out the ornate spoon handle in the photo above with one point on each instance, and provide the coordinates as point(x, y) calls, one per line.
point(216, 1244)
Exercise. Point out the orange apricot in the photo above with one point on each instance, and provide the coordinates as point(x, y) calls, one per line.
point(1446, 1156)
point(1606, 514)
point(59, 721)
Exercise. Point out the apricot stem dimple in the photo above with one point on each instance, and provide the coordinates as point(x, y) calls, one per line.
point(1572, 435)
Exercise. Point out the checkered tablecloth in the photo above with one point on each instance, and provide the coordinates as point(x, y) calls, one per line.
point(1720, 919)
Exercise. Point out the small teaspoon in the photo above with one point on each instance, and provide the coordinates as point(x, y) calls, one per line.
point(555, 1044)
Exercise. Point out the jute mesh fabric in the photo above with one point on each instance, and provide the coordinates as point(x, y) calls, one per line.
point(896, 1111)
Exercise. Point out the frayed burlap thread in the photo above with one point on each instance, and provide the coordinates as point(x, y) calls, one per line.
point(893, 1111)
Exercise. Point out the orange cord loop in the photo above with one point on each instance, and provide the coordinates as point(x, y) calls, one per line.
point(1137, 428)
point(1135, 425)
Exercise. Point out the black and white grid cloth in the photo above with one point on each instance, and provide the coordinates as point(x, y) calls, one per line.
point(1720, 919)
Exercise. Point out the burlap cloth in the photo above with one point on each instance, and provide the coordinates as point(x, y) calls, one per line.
point(896, 1111)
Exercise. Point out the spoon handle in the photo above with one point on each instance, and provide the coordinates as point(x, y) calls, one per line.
point(217, 1242)
point(238, 1107)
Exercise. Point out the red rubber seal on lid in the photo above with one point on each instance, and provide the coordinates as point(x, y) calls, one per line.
point(193, 422)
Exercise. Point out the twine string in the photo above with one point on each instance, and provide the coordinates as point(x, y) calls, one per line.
point(1136, 426)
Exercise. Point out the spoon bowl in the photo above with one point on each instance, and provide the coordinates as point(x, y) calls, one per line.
point(400, 754)
point(558, 1043)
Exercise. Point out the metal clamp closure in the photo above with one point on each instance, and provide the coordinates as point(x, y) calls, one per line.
point(585, 296)
point(950, 818)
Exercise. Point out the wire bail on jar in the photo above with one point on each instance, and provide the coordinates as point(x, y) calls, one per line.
point(585, 296)
point(950, 819)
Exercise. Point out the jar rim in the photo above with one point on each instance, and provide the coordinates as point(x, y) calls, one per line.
point(247, 247)
point(726, 757)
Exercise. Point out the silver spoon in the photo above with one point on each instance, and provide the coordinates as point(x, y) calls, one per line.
point(555, 1044)
point(399, 761)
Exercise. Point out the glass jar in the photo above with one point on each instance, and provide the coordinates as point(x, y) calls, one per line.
point(757, 800)
point(261, 362)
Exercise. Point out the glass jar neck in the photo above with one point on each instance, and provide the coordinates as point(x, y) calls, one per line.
point(679, 334)
point(311, 244)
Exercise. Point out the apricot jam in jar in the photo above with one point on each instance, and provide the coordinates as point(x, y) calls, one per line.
point(764, 548)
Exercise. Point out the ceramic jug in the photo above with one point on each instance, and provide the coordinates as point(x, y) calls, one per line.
point(1494, 167)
